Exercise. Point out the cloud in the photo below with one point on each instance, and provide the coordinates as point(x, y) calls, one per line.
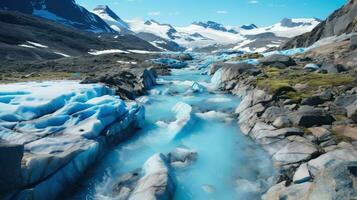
point(221, 12)
point(154, 13)
point(253, 1)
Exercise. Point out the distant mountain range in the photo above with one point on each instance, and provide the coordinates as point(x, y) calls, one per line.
point(199, 36)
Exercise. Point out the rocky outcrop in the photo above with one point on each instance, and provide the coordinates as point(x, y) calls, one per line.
point(127, 84)
point(342, 21)
point(300, 136)
point(277, 60)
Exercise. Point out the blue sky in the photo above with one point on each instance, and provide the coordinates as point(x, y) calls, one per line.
point(228, 12)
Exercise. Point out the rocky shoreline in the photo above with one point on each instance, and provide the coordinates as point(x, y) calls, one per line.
point(312, 139)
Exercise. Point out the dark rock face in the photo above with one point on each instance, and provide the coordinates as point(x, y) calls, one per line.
point(76, 15)
point(308, 116)
point(280, 61)
point(340, 22)
point(318, 98)
point(333, 68)
point(127, 84)
point(18, 28)
point(10, 162)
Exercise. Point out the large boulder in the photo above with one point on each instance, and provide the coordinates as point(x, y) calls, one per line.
point(277, 60)
point(308, 116)
point(10, 164)
point(332, 158)
point(319, 98)
point(158, 181)
point(232, 71)
point(297, 150)
point(272, 113)
point(283, 192)
point(333, 68)
point(335, 183)
point(352, 111)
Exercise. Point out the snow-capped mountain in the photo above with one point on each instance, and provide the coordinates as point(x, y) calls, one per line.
point(201, 35)
point(112, 19)
point(66, 12)
point(287, 27)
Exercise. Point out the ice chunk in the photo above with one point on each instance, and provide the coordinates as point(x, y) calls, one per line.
point(216, 78)
point(184, 120)
point(196, 87)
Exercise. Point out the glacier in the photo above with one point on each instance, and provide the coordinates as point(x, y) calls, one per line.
point(64, 127)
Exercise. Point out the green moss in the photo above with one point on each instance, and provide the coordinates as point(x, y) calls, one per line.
point(41, 76)
point(276, 79)
point(247, 56)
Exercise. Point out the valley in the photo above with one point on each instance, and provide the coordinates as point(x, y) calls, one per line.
point(94, 106)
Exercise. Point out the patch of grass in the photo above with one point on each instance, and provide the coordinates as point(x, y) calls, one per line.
point(276, 79)
point(39, 76)
point(247, 56)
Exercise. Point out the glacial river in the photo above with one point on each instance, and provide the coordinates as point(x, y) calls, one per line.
point(229, 164)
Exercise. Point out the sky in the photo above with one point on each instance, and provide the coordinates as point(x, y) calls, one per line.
point(227, 12)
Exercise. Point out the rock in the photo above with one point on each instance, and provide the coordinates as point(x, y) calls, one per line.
point(272, 113)
point(182, 157)
point(215, 67)
point(292, 192)
point(352, 111)
point(312, 67)
point(333, 68)
point(335, 183)
point(321, 133)
point(318, 99)
point(302, 174)
point(281, 61)
point(346, 131)
point(252, 98)
point(281, 122)
point(297, 150)
point(10, 162)
point(353, 41)
point(345, 100)
point(271, 132)
point(332, 158)
point(232, 71)
point(157, 182)
point(308, 116)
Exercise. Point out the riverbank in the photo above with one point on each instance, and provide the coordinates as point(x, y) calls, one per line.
point(303, 117)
